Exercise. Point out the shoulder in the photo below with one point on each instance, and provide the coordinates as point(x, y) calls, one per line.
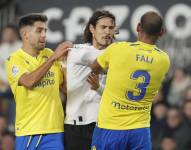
point(47, 51)
point(162, 52)
point(118, 45)
point(82, 46)
point(163, 56)
point(15, 55)
point(80, 49)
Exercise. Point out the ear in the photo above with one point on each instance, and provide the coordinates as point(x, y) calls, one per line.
point(138, 27)
point(25, 34)
point(162, 32)
point(91, 28)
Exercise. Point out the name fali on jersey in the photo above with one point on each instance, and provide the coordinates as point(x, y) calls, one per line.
point(47, 80)
point(144, 58)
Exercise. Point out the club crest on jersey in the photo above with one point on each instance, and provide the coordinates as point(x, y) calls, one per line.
point(14, 70)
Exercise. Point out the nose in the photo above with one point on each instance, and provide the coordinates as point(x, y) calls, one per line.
point(107, 31)
point(43, 34)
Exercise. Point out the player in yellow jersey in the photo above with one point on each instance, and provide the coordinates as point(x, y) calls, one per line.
point(135, 73)
point(35, 76)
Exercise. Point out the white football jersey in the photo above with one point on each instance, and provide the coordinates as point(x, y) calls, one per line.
point(82, 102)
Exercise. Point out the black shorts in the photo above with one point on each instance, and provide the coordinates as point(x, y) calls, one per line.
point(78, 137)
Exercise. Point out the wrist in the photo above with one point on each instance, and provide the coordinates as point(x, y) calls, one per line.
point(52, 59)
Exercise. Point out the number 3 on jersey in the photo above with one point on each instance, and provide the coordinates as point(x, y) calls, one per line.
point(141, 86)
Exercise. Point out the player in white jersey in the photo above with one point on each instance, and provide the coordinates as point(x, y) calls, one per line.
point(83, 102)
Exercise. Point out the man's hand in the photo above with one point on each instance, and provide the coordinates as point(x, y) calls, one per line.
point(93, 79)
point(62, 50)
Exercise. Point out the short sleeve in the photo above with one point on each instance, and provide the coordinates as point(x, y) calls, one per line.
point(104, 58)
point(15, 68)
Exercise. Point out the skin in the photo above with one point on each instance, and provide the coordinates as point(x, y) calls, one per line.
point(142, 36)
point(34, 40)
point(102, 35)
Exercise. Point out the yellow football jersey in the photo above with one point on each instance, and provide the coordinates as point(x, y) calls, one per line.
point(135, 73)
point(38, 110)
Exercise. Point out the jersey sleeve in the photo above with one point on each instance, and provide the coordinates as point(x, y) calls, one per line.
point(75, 56)
point(15, 68)
point(89, 57)
point(82, 57)
point(104, 58)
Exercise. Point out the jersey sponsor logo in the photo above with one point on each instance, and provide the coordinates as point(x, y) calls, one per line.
point(128, 107)
point(14, 70)
point(47, 80)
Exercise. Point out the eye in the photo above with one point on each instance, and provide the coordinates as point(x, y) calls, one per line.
point(102, 27)
point(111, 27)
point(38, 30)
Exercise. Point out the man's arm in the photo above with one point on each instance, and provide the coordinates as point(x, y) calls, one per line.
point(93, 78)
point(99, 65)
point(96, 67)
point(30, 79)
point(95, 82)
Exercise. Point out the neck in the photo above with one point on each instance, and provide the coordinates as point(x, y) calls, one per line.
point(28, 49)
point(98, 46)
point(147, 39)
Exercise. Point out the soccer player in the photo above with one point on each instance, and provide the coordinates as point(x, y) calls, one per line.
point(83, 102)
point(135, 73)
point(35, 76)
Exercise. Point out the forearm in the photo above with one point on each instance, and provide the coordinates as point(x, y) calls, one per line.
point(30, 79)
point(96, 68)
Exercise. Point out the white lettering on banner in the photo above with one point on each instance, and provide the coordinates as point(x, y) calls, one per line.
point(175, 11)
point(120, 19)
point(136, 16)
point(73, 27)
point(54, 14)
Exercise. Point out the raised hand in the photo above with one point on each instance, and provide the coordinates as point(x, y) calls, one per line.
point(62, 50)
point(93, 80)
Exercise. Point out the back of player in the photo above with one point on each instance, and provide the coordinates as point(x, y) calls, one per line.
point(135, 73)
point(133, 78)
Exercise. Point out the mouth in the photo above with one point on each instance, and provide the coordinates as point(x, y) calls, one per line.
point(42, 42)
point(107, 38)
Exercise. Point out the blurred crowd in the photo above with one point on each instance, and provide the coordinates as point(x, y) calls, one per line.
point(171, 112)
point(9, 42)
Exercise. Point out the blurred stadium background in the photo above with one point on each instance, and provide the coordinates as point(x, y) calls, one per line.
point(171, 114)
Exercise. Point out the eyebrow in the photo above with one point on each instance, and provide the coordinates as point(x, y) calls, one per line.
point(41, 28)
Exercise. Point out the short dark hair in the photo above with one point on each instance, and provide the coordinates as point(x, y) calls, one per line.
point(151, 23)
point(97, 15)
point(30, 19)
